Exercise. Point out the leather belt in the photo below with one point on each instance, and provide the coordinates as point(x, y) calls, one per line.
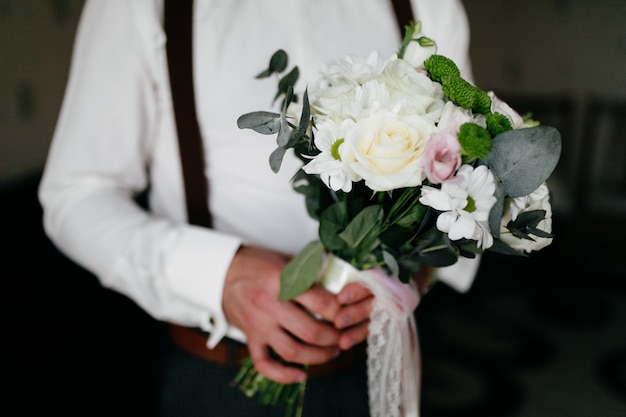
point(230, 352)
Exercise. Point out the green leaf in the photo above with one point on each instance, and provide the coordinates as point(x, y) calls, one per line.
point(301, 272)
point(523, 159)
point(332, 223)
point(263, 122)
point(363, 225)
point(413, 216)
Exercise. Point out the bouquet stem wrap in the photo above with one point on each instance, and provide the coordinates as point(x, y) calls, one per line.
point(393, 357)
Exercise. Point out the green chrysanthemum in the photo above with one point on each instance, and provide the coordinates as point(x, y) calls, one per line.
point(483, 102)
point(459, 91)
point(498, 123)
point(475, 141)
point(439, 67)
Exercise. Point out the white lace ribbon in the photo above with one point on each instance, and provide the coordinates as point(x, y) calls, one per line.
point(393, 358)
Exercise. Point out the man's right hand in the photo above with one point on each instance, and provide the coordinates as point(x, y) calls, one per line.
point(250, 302)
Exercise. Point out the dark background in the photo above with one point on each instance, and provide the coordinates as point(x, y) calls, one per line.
point(537, 336)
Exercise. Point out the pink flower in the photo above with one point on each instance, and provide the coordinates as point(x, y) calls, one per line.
point(442, 156)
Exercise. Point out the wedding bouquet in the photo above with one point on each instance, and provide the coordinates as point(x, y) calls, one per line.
point(405, 164)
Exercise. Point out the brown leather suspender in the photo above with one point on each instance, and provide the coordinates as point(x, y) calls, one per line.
point(178, 18)
point(404, 14)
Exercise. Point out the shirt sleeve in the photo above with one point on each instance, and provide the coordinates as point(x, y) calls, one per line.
point(98, 161)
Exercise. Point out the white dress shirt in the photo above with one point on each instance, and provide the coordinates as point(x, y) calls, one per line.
point(116, 133)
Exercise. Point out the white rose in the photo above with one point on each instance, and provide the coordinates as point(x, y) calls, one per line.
point(417, 93)
point(537, 200)
point(386, 148)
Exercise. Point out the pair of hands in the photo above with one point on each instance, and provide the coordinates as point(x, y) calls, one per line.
point(250, 302)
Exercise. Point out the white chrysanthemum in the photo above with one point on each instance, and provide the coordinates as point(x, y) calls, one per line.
point(465, 203)
point(328, 164)
point(351, 69)
point(333, 94)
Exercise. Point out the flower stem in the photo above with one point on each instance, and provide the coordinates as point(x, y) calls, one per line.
point(269, 392)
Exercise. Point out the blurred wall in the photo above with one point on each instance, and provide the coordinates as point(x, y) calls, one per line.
point(36, 38)
point(564, 61)
point(550, 46)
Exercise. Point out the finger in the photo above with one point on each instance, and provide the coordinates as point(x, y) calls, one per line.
point(320, 301)
point(301, 324)
point(352, 293)
point(271, 368)
point(354, 335)
point(355, 313)
point(292, 350)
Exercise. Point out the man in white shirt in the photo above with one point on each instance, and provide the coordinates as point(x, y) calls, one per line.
point(116, 135)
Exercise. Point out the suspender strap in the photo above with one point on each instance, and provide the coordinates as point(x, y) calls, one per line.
point(178, 17)
point(404, 14)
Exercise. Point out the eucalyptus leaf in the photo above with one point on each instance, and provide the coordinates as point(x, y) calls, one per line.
point(539, 233)
point(391, 263)
point(276, 158)
point(289, 97)
point(495, 215)
point(502, 248)
point(264, 74)
point(264, 122)
point(279, 61)
point(523, 159)
point(284, 133)
point(526, 224)
point(468, 248)
point(527, 219)
point(436, 256)
point(408, 267)
point(301, 272)
point(435, 249)
point(289, 80)
point(304, 121)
